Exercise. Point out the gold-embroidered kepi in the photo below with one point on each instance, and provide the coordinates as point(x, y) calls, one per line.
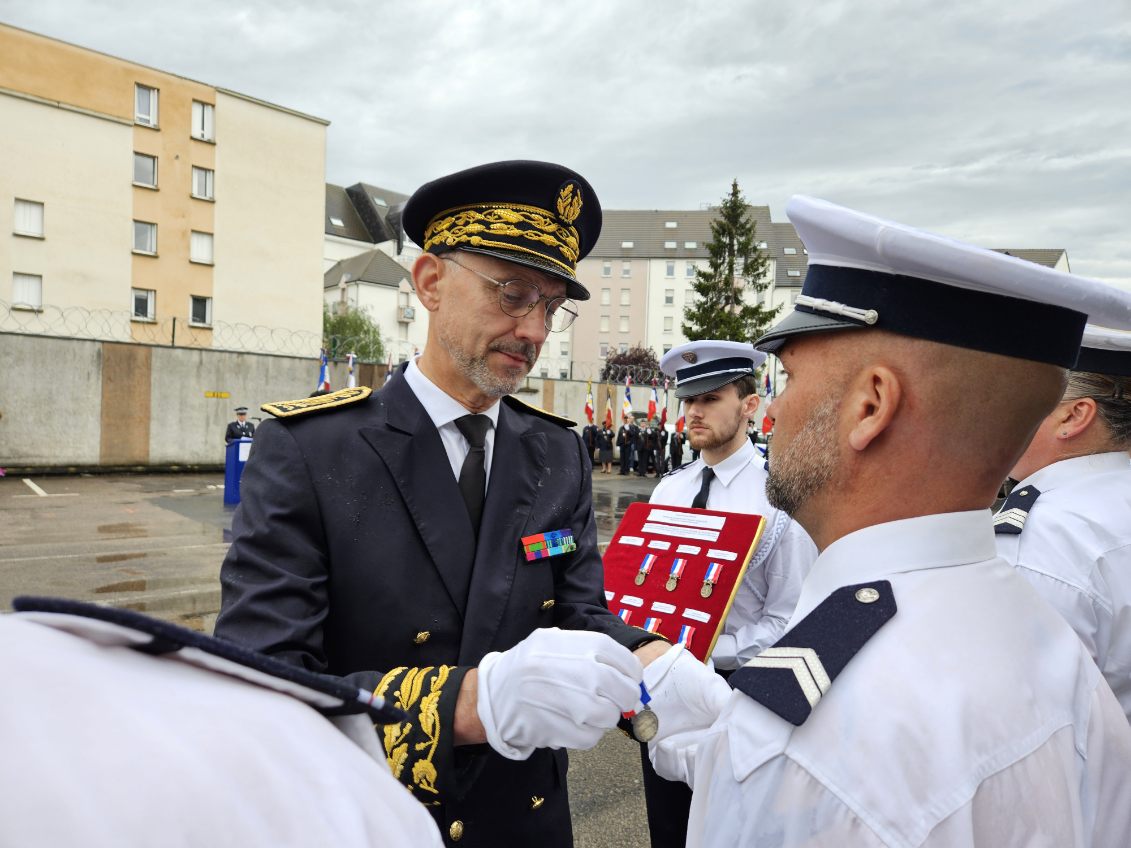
point(538, 214)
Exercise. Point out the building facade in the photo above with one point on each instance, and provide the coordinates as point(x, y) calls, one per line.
point(142, 206)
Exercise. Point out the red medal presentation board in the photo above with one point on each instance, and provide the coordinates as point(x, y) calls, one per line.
point(674, 570)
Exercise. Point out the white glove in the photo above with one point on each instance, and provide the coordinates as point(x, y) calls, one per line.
point(555, 689)
point(687, 697)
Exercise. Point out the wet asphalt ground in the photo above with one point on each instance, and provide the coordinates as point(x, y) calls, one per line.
point(154, 543)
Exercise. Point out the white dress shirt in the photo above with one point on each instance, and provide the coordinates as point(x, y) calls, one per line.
point(768, 593)
point(974, 717)
point(1075, 548)
point(105, 747)
point(443, 409)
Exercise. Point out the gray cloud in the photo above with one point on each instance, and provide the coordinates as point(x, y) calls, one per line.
point(1004, 124)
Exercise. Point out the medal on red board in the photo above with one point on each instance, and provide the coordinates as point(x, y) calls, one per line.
point(714, 571)
point(675, 574)
point(645, 569)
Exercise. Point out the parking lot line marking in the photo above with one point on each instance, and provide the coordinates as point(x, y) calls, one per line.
point(35, 488)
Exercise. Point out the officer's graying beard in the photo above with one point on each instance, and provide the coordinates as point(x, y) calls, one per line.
point(807, 463)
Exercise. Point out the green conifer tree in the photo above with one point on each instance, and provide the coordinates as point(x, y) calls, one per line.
point(723, 307)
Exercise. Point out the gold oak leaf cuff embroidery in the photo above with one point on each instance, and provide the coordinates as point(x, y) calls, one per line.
point(412, 747)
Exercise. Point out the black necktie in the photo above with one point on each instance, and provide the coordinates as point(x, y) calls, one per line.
point(700, 501)
point(473, 475)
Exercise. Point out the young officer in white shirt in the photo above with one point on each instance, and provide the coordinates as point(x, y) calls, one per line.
point(1067, 524)
point(715, 380)
point(924, 695)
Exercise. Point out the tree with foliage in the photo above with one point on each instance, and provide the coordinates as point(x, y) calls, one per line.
point(351, 331)
point(737, 266)
point(639, 362)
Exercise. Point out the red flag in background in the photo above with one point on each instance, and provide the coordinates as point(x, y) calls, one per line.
point(653, 401)
point(664, 410)
point(589, 401)
point(679, 420)
point(767, 422)
point(609, 407)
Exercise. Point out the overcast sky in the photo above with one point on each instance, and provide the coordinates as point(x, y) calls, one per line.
point(1007, 124)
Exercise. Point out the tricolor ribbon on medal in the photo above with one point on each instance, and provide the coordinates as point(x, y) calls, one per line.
point(645, 568)
point(675, 573)
point(624, 615)
point(548, 544)
point(644, 721)
point(686, 634)
point(714, 571)
point(652, 624)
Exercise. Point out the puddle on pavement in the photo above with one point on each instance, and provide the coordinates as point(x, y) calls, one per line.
point(608, 509)
point(118, 557)
point(124, 530)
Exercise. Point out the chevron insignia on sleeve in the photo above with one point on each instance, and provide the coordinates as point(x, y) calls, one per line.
point(1014, 512)
point(791, 677)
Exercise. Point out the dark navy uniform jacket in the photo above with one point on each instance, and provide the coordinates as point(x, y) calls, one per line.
point(353, 555)
point(236, 430)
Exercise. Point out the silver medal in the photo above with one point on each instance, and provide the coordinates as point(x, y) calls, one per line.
point(645, 724)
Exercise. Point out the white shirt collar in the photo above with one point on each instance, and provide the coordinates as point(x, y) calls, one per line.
point(441, 407)
point(1066, 470)
point(729, 468)
point(894, 547)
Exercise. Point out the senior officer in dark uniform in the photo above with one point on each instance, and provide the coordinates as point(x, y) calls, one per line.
point(240, 428)
point(365, 546)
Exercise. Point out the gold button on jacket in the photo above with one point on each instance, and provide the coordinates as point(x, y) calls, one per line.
point(456, 831)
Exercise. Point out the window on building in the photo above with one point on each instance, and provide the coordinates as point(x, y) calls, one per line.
point(789, 251)
point(669, 268)
point(145, 105)
point(565, 348)
point(604, 325)
point(544, 373)
point(145, 301)
point(200, 310)
point(563, 373)
point(762, 245)
point(625, 297)
point(606, 297)
point(203, 121)
point(626, 268)
point(604, 348)
point(623, 347)
point(793, 273)
point(145, 237)
point(27, 291)
point(606, 269)
point(29, 218)
point(627, 244)
point(689, 271)
point(669, 297)
point(669, 245)
point(668, 323)
point(145, 170)
point(667, 347)
point(691, 245)
point(671, 225)
point(623, 324)
point(200, 248)
point(202, 187)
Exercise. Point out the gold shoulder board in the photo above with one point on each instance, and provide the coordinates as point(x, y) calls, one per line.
point(342, 397)
point(519, 406)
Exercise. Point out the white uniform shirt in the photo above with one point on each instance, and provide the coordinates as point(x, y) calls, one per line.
point(974, 717)
point(1075, 548)
point(106, 746)
point(768, 593)
point(444, 409)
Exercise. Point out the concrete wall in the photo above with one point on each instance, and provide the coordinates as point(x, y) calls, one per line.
point(73, 403)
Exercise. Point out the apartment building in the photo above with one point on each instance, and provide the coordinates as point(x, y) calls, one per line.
point(140, 205)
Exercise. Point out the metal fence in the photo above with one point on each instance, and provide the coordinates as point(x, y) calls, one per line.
point(77, 322)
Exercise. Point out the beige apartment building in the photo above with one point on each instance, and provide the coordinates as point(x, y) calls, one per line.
point(140, 205)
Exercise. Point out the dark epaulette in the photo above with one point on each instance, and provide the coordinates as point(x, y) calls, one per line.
point(330, 696)
point(319, 403)
point(517, 405)
point(792, 676)
point(1010, 519)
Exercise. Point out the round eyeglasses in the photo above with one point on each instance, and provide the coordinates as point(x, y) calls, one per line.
point(517, 298)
